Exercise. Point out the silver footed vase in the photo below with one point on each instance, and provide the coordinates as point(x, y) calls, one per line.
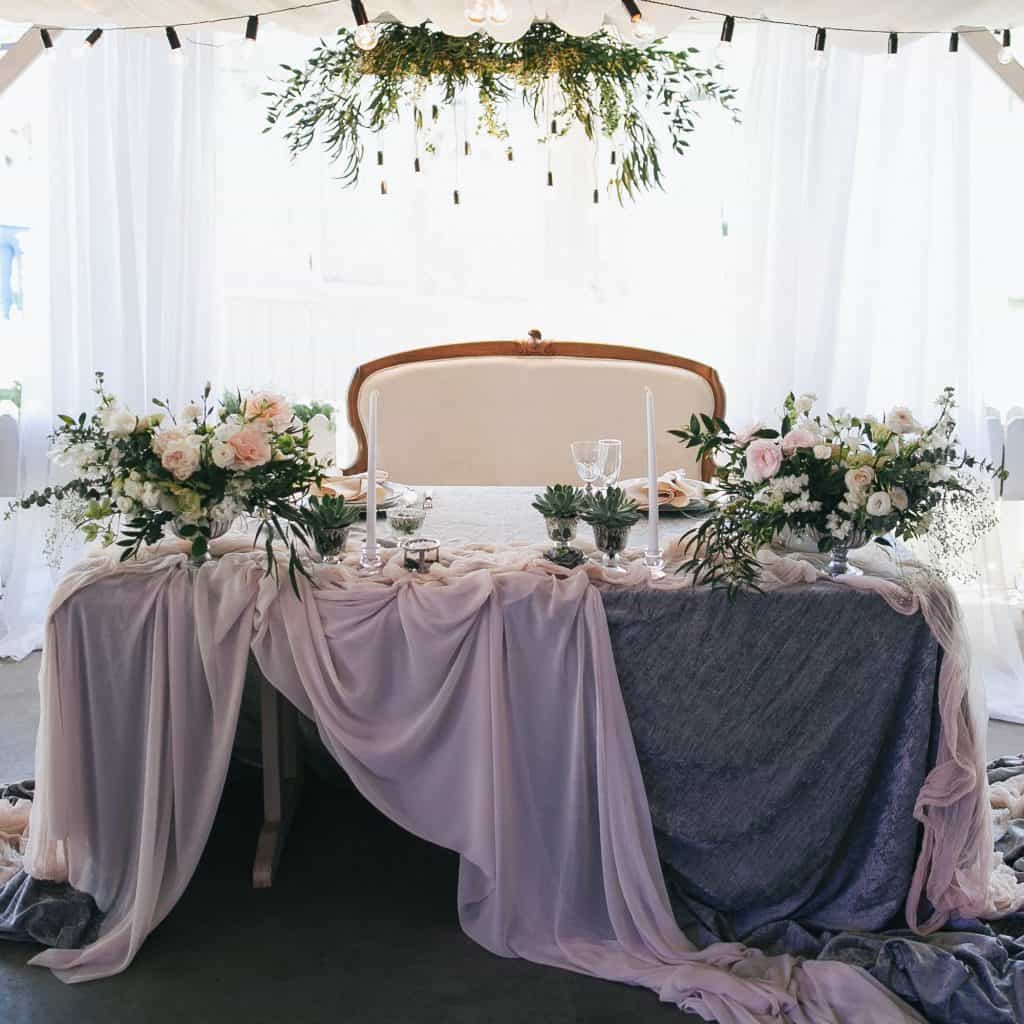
point(839, 557)
point(216, 530)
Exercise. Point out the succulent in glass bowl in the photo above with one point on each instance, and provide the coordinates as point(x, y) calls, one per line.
point(611, 514)
point(561, 505)
point(327, 520)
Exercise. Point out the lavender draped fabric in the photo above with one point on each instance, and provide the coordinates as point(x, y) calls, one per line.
point(483, 715)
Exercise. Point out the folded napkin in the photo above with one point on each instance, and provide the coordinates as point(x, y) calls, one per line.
point(353, 488)
point(674, 490)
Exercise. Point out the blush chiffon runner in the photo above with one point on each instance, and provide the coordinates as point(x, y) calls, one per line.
point(481, 712)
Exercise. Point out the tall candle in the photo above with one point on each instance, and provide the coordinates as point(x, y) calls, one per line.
point(371, 479)
point(652, 480)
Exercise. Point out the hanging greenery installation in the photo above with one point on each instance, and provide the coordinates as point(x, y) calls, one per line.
point(607, 87)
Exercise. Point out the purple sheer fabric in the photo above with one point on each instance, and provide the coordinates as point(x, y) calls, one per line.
point(483, 715)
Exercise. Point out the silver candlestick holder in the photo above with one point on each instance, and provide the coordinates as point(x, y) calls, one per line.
point(370, 562)
point(655, 565)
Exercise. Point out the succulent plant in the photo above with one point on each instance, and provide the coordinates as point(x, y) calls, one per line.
point(560, 501)
point(611, 509)
point(327, 513)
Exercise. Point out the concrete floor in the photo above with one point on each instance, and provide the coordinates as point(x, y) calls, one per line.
point(359, 927)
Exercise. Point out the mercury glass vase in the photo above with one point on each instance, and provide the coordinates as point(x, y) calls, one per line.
point(611, 540)
point(839, 557)
point(330, 545)
point(562, 530)
point(215, 530)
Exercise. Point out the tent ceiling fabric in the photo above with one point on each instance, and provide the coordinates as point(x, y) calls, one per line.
point(579, 17)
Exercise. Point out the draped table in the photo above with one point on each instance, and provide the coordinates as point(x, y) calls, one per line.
point(782, 739)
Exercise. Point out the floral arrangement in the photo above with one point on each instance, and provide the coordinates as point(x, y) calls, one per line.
point(598, 82)
point(194, 472)
point(838, 479)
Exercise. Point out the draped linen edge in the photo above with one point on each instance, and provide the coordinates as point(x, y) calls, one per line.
point(621, 928)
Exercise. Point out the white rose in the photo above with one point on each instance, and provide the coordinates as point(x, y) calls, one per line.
point(805, 402)
point(859, 478)
point(121, 423)
point(823, 451)
point(150, 495)
point(162, 439)
point(192, 411)
point(900, 500)
point(227, 430)
point(901, 420)
point(125, 504)
point(879, 504)
point(222, 454)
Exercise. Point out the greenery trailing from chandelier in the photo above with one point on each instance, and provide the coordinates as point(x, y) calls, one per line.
point(607, 87)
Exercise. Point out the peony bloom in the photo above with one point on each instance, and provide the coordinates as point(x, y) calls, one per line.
point(901, 421)
point(268, 408)
point(900, 500)
point(860, 478)
point(181, 457)
point(879, 504)
point(823, 451)
point(799, 438)
point(251, 446)
point(764, 458)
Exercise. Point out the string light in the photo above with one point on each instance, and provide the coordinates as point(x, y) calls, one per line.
point(89, 42)
point(641, 30)
point(1005, 52)
point(252, 28)
point(954, 42)
point(894, 44)
point(818, 53)
point(367, 32)
point(725, 43)
point(177, 54)
point(46, 39)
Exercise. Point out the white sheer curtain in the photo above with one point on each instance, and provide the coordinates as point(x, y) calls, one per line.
point(845, 239)
point(132, 159)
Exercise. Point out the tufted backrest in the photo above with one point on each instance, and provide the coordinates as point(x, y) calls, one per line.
point(505, 412)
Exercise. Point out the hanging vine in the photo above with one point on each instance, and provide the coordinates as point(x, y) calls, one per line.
point(605, 86)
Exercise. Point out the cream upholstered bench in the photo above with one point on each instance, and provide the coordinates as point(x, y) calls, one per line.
point(505, 412)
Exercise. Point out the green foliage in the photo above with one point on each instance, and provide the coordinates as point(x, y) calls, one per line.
point(305, 411)
point(610, 509)
point(597, 82)
point(560, 501)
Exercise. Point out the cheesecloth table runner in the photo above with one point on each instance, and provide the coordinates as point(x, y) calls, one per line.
point(483, 714)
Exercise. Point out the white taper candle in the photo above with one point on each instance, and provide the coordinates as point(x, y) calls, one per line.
point(652, 480)
point(371, 478)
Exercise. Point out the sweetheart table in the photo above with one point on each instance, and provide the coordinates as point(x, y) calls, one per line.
point(808, 754)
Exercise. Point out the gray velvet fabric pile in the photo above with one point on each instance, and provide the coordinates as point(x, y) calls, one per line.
point(50, 913)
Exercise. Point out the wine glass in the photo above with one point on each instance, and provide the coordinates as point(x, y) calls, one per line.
point(585, 455)
point(609, 462)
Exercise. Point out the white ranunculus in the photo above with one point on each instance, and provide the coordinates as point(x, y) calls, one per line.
point(901, 421)
point(879, 504)
point(860, 478)
point(125, 504)
point(823, 451)
point(223, 454)
point(805, 402)
point(150, 495)
point(192, 411)
point(900, 500)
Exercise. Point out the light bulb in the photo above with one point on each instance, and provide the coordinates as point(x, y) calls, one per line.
point(1005, 55)
point(476, 12)
point(367, 36)
point(499, 12)
point(642, 31)
point(817, 58)
point(723, 49)
point(176, 58)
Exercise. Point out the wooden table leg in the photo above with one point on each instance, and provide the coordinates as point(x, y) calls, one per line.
point(282, 780)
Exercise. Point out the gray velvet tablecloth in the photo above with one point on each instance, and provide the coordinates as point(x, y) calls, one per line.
point(783, 739)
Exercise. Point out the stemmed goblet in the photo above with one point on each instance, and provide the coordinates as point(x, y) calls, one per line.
point(586, 456)
point(609, 462)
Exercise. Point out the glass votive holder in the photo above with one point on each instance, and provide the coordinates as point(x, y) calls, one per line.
point(421, 553)
point(405, 520)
